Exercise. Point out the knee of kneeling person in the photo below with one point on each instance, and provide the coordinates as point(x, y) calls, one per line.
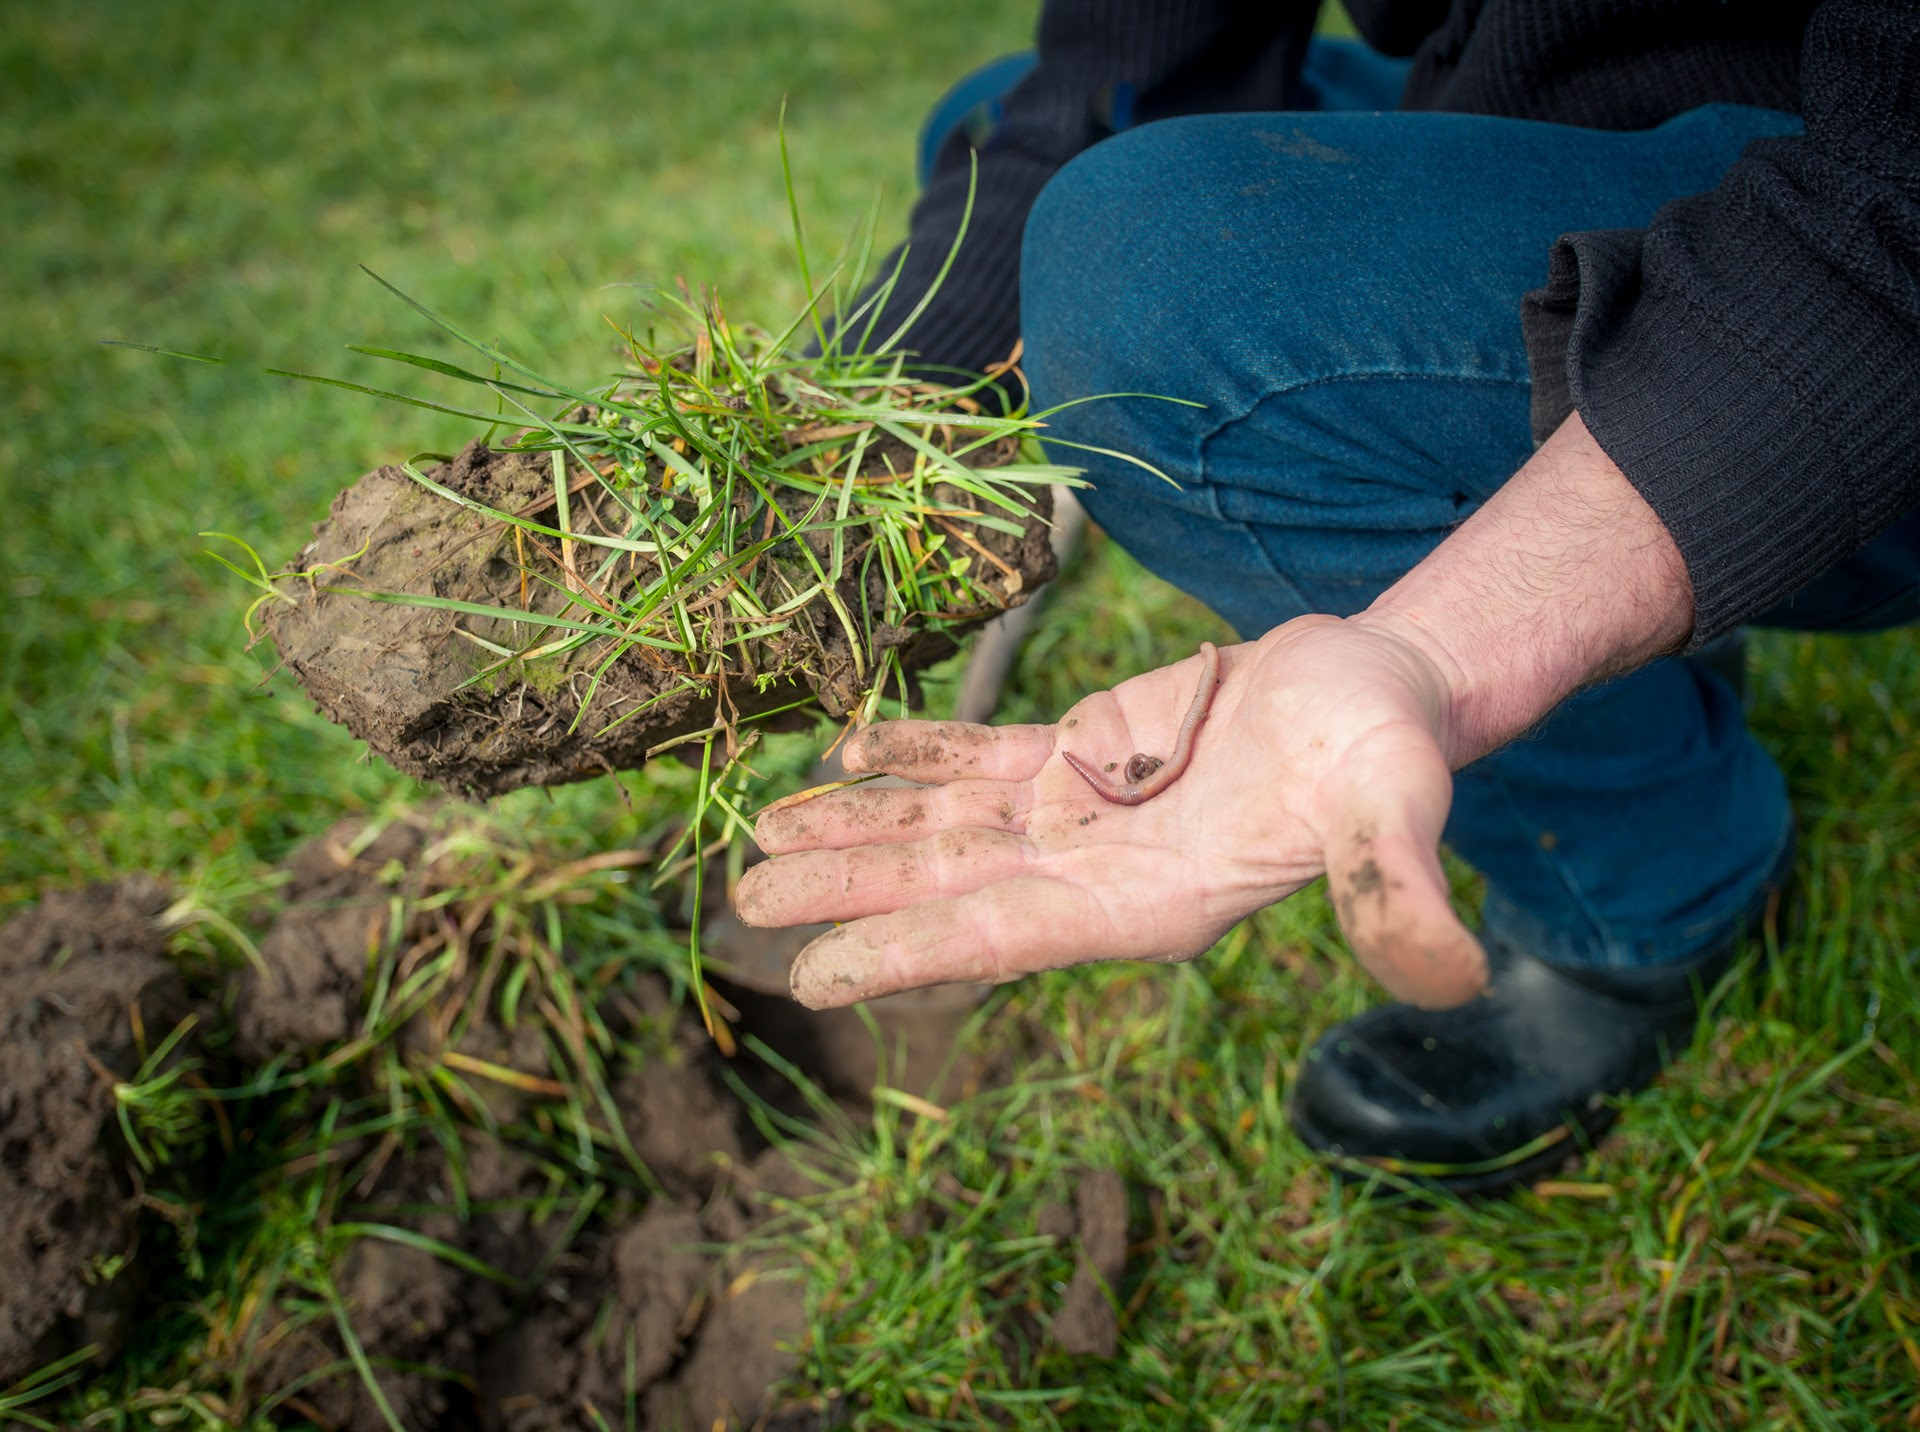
point(1093, 283)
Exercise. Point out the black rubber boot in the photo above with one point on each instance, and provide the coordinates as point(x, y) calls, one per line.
point(1501, 1091)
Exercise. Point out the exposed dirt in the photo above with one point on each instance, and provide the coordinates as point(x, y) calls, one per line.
point(654, 1307)
point(694, 1333)
point(1085, 1324)
point(409, 1308)
point(680, 1119)
point(84, 992)
point(397, 675)
point(337, 901)
point(662, 1304)
point(665, 1311)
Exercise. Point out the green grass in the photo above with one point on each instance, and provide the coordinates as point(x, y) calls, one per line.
point(1739, 1252)
point(1742, 1251)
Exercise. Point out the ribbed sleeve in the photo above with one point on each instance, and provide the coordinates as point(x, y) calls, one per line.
point(1752, 360)
point(1603, 64)
point(1102, 64)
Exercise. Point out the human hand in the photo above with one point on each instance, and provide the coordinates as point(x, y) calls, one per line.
point(1325, 750)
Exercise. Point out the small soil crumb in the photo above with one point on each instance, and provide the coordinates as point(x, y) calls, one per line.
point(406, 1307)
point(1086, 1325)
point(85, 992)
point(1054, 1220)
point(337, 904)
point(745, 1348)
point(658, 1270)
point(413, 682)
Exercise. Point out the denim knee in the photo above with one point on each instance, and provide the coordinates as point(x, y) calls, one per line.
point(1094, 302)
point(1321, 431)
point(1227, 259)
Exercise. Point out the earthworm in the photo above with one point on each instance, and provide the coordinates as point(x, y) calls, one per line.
point(1147, 776)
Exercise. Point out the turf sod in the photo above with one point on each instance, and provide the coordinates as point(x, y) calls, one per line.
point(208, 178)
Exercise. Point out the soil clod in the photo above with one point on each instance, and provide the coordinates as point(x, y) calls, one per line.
point(85, 994)
point(1086, 1324)
point(486, 1290)
point(315, 954)
point(661, 1318)
point(423, 686)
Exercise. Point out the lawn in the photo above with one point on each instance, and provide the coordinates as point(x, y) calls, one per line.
point(209, 178)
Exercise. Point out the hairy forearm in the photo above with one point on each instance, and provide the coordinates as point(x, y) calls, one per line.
point(1562, 578)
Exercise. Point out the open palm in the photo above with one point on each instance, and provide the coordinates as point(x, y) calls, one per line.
point(1323, 752)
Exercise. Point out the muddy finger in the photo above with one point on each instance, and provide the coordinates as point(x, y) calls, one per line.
point(815, 885)
point(935, 752)
point(887, 815)
point(1390, 892)
point(991, 936)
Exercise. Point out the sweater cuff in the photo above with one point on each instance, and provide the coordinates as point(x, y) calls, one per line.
point(1767, 454)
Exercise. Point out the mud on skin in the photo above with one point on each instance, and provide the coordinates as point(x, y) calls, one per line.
point(922, 752)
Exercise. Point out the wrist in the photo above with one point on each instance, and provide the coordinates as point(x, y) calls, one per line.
point(1563, 578)
point(1484, 692)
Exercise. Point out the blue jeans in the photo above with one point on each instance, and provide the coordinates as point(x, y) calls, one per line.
point(1341, 291)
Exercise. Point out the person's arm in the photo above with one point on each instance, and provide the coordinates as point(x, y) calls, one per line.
point(1563, 578)
point(1329, 748)
point(1751, 360)
point(1102, 65)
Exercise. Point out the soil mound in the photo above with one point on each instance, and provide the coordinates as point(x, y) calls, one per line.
point(85, 994)
point(519, 1321)
point(669, 1309)
point(423, 686)
point(315, 953)
point(490, 1279)
point(675, 1316)
point(426, 1324)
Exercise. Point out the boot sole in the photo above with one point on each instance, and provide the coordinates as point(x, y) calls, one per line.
point(1473, 1182)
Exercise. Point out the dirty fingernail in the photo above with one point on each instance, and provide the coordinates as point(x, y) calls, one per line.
point(765, 829)
point(852, 753)
point(747, 900)
point(837, 969)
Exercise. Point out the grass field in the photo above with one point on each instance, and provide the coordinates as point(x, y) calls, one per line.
point(208, 177)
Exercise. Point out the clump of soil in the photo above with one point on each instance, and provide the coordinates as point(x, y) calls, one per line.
point(669, 1310)
point(670, 1315)
point(401, 677)
point(1085, 1324)
point(337, 901)
point(672, 1303)
point(345, 891)
point(654, 1305)
point(84, 992)
point(428, 1325)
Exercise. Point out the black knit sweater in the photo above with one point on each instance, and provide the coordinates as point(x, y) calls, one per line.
point(1751, 360)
